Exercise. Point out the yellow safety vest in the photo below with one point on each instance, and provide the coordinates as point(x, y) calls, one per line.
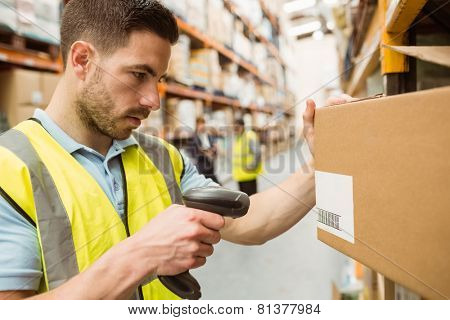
point(76, 222)
point(243, 158)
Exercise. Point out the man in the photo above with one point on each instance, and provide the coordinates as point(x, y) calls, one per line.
point(87, 207)
point(204, 150)
point(247, 164)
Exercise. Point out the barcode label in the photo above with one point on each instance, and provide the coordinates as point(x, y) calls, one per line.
point(334, 204)
point(329, 218)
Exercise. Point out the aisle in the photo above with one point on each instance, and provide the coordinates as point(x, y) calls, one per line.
point(294, 266)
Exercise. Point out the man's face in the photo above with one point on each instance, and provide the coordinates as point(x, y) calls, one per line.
point(201, 127)
point(122, 88)
point(238, 129)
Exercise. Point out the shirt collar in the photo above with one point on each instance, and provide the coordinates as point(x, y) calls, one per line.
point(67, 142)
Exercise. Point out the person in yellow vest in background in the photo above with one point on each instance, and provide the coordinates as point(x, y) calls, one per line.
point(90, 208)
point(246, 163)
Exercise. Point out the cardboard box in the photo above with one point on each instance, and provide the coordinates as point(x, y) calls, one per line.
point(9, 16)
point(20, 87)
point(382, 186)
point(27, 90)
point(18, 115)
point(49, 81)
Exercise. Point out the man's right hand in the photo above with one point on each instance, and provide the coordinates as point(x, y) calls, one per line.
point(178, 239)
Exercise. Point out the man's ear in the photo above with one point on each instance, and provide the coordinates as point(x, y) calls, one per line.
point(81, 57)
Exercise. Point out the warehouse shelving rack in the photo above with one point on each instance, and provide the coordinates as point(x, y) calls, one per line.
point(12, 56)
point(387, 27)
point(393, 24)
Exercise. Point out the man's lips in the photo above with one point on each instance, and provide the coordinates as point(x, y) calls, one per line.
point(135, 121)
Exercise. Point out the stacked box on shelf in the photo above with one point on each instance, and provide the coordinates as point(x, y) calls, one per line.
point(39, 19)
point(260, 57)
point(247, 93)
point(171, 120)
point(196, 14)
point(243, 46)
point(178, 7)
point(265, 29)
point(181, 116)
point(250, 10)
point(273, 6)
point(232, 84)
point(215, 25)
point(154, 124)
point(179, 68)
point(227, 32)
point(205, 70)
point(260, 119)
point(22, 91)
point(220, 23)
point(8, 15)
point(215, 71)
point(275, 71)
point(269, 94)
point(199, 68)
point(48, 14)
point(26, 19)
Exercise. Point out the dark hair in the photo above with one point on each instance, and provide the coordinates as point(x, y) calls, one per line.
point(200, 120)
point(108, 23)
point(239, 122)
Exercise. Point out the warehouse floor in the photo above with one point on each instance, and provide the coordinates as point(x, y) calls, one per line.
point(293, 266)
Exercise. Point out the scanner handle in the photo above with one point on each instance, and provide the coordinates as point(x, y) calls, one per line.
point(227, 203)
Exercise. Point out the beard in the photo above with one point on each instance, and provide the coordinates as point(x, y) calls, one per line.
point(96, 109)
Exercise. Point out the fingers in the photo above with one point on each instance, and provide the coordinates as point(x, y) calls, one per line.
point(205, 250)
point(210, 220)
point(197, 262)
point(335, 101)
point(343, 98)
point(206, 235)
point(348, 98)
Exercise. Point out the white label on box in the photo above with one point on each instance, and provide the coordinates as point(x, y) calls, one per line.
point(334, 204)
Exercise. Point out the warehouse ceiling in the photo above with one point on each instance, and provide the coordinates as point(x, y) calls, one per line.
point(311, 17)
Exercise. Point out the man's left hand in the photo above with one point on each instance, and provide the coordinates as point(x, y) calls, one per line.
point(310, 111)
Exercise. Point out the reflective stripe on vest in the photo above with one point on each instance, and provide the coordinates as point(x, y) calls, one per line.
point(51, 213)
point(158, 152)
point(76, 222)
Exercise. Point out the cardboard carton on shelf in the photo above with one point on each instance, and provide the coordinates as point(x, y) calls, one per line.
point(24, 90)
point(382, 181)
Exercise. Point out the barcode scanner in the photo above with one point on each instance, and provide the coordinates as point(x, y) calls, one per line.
point(227, 203)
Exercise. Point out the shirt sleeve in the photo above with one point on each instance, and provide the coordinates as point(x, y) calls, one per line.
point(193, 179)
point(20, 259)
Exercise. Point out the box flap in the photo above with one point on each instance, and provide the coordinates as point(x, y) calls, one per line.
point(435, 54)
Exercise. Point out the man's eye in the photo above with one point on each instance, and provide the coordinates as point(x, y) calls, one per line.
point(162, 80)
point(139, 75)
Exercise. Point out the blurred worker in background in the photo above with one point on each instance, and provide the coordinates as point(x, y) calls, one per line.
point(205, 149)
point(247, 162)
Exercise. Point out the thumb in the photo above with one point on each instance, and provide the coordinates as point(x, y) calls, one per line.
point(308, 115)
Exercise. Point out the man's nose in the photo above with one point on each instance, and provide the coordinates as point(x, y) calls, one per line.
point(150, 98)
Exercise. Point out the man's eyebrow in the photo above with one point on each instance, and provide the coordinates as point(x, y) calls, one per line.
point(144, 67)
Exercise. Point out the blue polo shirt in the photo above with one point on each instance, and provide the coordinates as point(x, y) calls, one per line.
point(20, 259)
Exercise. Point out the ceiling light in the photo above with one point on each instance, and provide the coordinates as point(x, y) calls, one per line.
point(318, 35)
point(298, 5)
point(330, 25)
point(305, 28)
